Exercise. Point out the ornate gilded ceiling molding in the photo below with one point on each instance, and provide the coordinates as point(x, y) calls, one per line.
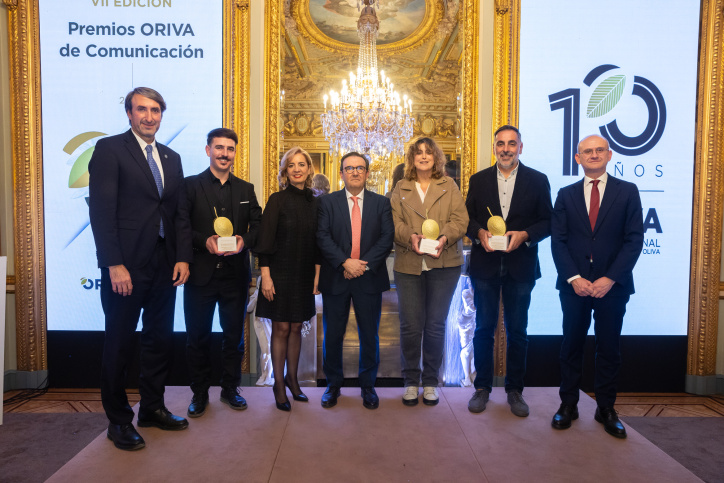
point(708, 189)
point(433, 16)
point(469, 74)
point(506, 68)
point(272, 76)
point(27, 163)
point(237, 37)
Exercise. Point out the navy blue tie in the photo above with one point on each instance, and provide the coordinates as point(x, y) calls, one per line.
point(156, 177)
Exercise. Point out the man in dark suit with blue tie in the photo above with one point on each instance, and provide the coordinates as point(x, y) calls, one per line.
point(217, 277)
point(597, 237)
point(354, 236)
point(133, 194)
point(522, 196)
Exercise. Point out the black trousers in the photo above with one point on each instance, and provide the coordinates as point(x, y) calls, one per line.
point(230, 292)
point(608, 315)
point(367, 309)
point(154, 294)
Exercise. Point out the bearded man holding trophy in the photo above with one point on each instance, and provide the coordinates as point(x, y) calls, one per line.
point(219, 215)
point(430, 220)
point(510, 212)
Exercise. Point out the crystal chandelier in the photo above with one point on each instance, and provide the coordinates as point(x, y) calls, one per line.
point(366, 116)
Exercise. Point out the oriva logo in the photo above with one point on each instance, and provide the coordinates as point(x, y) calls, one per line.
point(90, 284)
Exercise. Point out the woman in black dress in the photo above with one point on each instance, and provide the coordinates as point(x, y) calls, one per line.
point(287, 249)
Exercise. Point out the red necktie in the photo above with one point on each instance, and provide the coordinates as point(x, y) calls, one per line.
point(356, 229)
point(594, 205)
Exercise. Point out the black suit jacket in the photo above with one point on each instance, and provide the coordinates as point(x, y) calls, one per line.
point(124, 204)
point(196, 223)
point(334, 238)
point(530, 211)
point(614, 244)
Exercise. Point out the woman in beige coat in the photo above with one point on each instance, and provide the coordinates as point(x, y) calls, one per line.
point(425, 281)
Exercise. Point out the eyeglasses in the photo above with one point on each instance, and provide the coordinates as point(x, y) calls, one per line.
point(589, 151)
point(352, 169)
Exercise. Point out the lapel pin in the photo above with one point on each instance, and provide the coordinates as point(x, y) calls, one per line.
point(165, 155)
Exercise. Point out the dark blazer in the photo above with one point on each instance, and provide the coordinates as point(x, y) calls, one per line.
point(614, 244)
point(334, 238)
point(124, 204)
point(530, 211)
point(196, 223)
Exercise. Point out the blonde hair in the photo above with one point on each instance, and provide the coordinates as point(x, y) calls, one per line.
point(438, 167)
point(284, 163)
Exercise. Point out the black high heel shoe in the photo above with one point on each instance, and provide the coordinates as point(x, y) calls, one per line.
point(301, 397)
point(283, 406)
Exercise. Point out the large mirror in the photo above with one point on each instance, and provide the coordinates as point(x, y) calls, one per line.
point(419, 48)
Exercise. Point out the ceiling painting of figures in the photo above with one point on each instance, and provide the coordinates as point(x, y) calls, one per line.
point(337, 19)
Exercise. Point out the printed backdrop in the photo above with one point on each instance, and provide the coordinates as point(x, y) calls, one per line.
point(93, 52)
point(627, 71)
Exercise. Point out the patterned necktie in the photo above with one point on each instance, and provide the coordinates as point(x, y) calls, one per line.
point(594, 205)
point(156, 177)
point(356, 229)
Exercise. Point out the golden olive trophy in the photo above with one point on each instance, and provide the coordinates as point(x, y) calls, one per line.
point(430, 230)
point(497, 228)
point(223, 227)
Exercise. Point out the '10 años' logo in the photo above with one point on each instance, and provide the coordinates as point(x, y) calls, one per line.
point(603, 99)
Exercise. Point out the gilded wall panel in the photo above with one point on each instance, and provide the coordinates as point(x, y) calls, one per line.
point(27, 168)
point(708, 189)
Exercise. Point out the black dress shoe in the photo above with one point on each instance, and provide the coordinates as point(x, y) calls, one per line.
point(125, 437)
point(282, 406)
point(369, 398)
point(610, 421)
point(162, 419)
point(199, 401)
point(230, 396)
point(329, 398)
point(566, 413)
point(297, 397)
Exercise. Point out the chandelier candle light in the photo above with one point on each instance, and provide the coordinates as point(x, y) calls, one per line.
point(368, 115)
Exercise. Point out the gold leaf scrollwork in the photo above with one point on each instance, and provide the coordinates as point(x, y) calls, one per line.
point(11, 4)
point(242, 4)
point(502, 6)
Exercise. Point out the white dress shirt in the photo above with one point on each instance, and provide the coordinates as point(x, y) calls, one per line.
point(350, 202)
point(505, 189)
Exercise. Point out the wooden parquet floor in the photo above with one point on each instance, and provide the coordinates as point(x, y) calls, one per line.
point(627, 404)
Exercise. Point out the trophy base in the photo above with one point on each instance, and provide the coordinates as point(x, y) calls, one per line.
point(498, 242)
point(226, 243)
point(428, 246)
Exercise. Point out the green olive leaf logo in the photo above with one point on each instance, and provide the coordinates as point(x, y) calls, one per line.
point(606, 96)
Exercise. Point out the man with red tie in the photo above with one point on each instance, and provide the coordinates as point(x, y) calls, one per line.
point(354, 235)
point(597, 237)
